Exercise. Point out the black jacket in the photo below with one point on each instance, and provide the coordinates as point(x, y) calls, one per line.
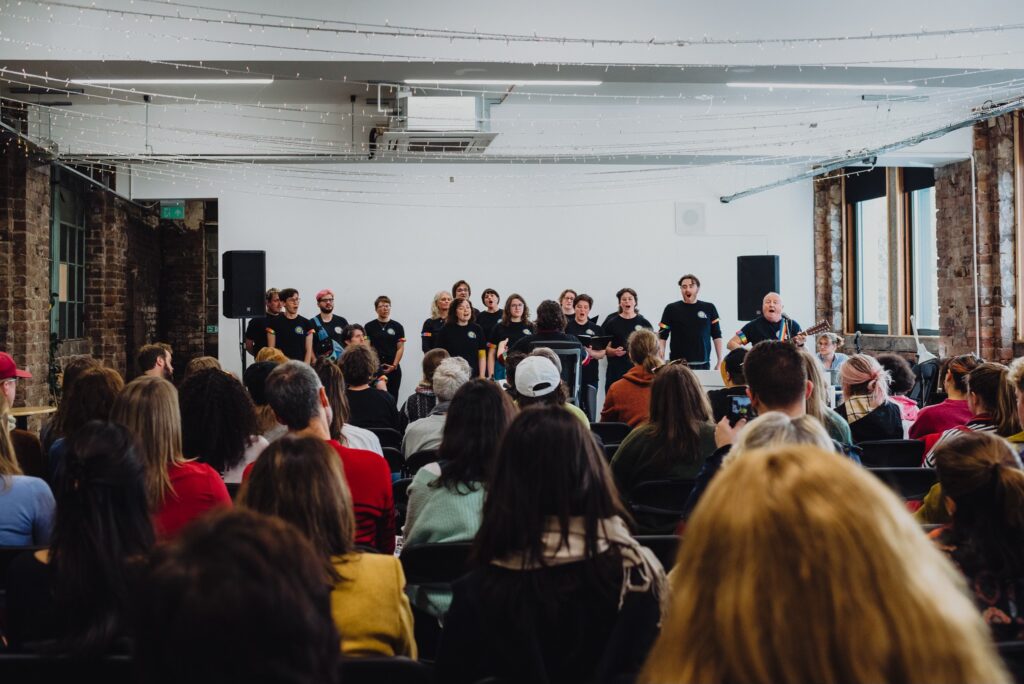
point(883, 422)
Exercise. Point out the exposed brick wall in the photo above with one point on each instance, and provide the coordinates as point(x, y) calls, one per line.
point(183, 286)
point(828, 250)
point(956, 256)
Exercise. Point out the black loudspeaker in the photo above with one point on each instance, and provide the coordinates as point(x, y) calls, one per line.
point(756, 276)
point(245, 283)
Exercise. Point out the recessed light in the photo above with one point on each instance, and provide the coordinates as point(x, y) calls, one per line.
point(819, 86)
point(496, 82)
point(172, 81)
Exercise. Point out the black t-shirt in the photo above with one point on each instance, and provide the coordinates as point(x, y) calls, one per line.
point(692, 327)
point(591, 328)
point(256, 331)
point(290, 334)
point(430, 328)
point(487, 320)
point(384, 337)
point(513, 332)
point(333, 344)
point(761, 329)
point(463, 340)
point(620, 329)
point(373, 408)
point(554, 340)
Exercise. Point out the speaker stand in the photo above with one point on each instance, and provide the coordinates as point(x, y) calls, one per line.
point(241, 342)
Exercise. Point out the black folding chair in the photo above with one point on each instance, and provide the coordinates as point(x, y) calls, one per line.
point(233, 489)
point(926, 382)
point(892, 453)
point(664, 546)
point(909, 483)
point(400, 493)
point(1012, 653)
point(611, 433)
point(377, 670)
point(436, 565)
point(420, 459)
point(659, 505)
point(609, 451)
point(389, 437)
point(394, 458)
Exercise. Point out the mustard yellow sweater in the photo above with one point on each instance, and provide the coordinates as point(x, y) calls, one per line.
point(370, 607)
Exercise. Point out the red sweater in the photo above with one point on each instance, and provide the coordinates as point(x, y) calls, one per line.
point(369, 481)
point(939, 418)
point(196, 489)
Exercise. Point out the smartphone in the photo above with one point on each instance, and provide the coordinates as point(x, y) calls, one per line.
point(740, 409)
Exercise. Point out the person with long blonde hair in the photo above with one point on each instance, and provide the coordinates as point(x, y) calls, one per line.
point(178, 489)
point(866, 406)
point(629, 398)
point(439, 307)
point(27, 506)
point(818, 402)
point(820, 576)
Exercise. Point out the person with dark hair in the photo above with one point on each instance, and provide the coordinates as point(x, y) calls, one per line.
point(387, 337)
point(255, 378)
point(300, 402)
point(460, 336)
point(515, 323)
point(90, 398)
point(218, 423)
point(200, 363)
point(422, 401)
point(352, 334)
point(983, 491)
point(620, 326)
point(954, 410)
point(585, 329)
point(560, 591)
point(446, 498)
point(772, 325)
point(368, 406)
point(368, 602)
point(693, 327)
point(629, 399)
point(156, 360)
point(551, 335)
point(74, 367)
point(735, 384)
point(901, 381)
point(491, 314)
point(26, 502)
point(328, 327)
point(239, 597)
point(256, 331)
point(290, 332)
point(866, 406)
point(341, 430)
point(678, 438)
point(567, 302)
point(77, 594)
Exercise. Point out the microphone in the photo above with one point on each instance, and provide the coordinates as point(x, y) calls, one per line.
point(856, 341)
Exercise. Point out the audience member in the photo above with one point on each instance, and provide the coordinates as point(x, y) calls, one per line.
point(28, 453)
point(538, 380)
point(368, 407)
point(677, 440)
point(1015, 376)
point(239, 597)
point(26, 503)
point(818, 401)
point(901, 381)
point(983, 491)
point(218, 423)
point(422, 401)
point(438, 315)
point(272, 355)
point(776, 429)
point(300, 480)
point(76, 595)
point(179, 490)
point(342, 431)
point(515, 323)
point(954, 410)
point(628, 400)
point(155, 360)
point(200, 363)
point(91, 397)
point(866, 406)
point(820, 576)
point(446, 497)
point(993, 404)
point(735, 384)
point(561, 590)
point(550, 333)
point(255, 377)
point(425, 433)
point(300, 402)
point(74, 367)
point(620, 326)
point(460, 336)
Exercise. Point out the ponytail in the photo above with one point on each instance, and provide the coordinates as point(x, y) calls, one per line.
point(862, 374)
point(990, 385)
point(643, 350)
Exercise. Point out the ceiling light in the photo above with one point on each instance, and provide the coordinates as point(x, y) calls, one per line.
point(496, 82)
point(819, 86)
point(172, 81)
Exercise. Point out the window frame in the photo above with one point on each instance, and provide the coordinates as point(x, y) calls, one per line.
point(67, 315)
point(1018, 206)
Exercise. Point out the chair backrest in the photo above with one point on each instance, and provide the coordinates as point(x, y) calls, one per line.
point(435, 564)
point(394, 458)
point(926, 382)
point(1012, 653)
point(611, 433)
point(7, 556)
point(374, 670)
point(664, 546)
point(665, 495)
point(909, 483)
point(420, 459)
point(389, 437)
point(892, 453)
point(609, 451)
point(35, 668)
point(400, 494)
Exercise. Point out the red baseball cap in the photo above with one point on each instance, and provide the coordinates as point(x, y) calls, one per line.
point(9, 369)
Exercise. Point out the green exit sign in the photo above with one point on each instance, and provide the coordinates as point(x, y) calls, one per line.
point(172, 209)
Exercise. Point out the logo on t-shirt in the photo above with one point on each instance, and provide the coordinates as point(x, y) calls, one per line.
point(338, 329)
point(527, 332)
point(588, 332)
point(471, 335)
point(298, 330)
point(638, 327)
point(701, 314)
point(391, 331)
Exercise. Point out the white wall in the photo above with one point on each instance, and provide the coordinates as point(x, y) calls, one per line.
point(614, 238)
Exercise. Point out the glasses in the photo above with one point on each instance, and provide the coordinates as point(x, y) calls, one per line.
point(327, 299)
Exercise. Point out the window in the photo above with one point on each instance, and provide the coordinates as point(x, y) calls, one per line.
point(892, 258)
point(67, 277)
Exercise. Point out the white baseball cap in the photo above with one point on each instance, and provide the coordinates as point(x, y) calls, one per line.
point(536, 376)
